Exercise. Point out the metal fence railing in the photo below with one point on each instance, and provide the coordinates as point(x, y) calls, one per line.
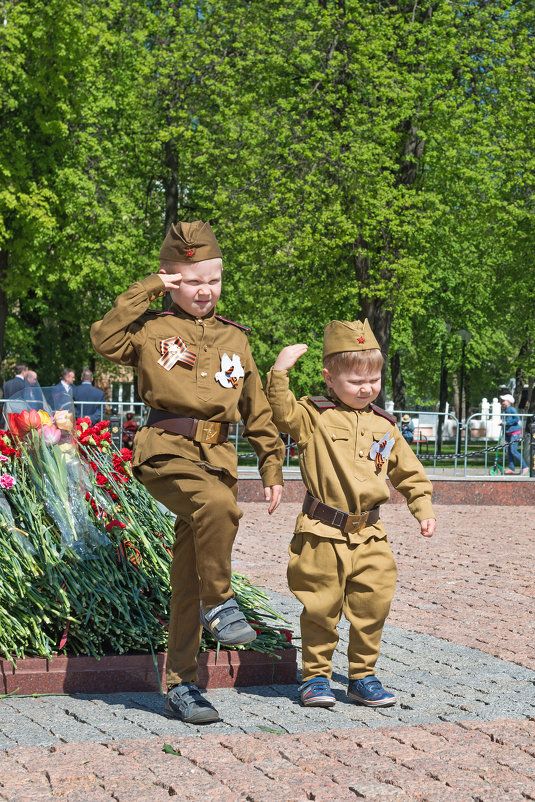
point(478, 448)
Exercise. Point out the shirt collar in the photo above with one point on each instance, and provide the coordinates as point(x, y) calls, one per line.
point(181, 313)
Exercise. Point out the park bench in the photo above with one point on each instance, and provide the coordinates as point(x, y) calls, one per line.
point(421, 441)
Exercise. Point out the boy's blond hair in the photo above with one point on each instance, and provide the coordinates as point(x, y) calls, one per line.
point(365, 363)
point(175, 267)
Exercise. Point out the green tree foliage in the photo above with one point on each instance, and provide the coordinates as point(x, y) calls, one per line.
point(357, 158)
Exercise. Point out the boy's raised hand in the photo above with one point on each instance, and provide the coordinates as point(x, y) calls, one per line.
point(289, 356)
point(427, 527)
point(171, 280)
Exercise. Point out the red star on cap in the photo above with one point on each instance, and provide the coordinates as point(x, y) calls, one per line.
point(191, 252)
point(361, 339)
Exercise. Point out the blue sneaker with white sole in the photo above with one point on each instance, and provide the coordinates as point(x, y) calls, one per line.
point(316, 692)
point(369, 691)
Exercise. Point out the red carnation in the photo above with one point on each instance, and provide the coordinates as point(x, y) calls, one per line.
point(287, 634)
point(115, 524)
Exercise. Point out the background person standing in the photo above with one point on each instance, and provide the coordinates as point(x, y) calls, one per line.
point(513, 434)
point(62, 391)
point(93, 397)
point(17, 383)
point(32, 392)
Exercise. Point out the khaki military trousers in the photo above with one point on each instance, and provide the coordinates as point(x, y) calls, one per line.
point(205, 527)
point(330, 577)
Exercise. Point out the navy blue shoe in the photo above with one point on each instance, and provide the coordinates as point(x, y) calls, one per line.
point(316, 692)
point(369, 692)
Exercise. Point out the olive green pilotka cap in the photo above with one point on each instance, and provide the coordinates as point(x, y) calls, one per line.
point(190, 242)
point(345, 336)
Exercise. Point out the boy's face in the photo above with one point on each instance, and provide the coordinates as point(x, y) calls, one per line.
point(200, 287)
point(353, 389)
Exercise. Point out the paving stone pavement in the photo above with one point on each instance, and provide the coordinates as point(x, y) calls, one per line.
point(463, 728)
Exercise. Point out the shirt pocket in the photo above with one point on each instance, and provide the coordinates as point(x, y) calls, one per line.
point(340, 446)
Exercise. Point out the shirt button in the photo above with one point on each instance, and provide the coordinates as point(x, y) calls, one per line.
point(203, 374)
point(361, 453)
point(362, 431)
point(205, 348)
point(333, 437)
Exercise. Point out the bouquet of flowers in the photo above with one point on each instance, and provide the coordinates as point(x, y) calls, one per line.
point(85, 551)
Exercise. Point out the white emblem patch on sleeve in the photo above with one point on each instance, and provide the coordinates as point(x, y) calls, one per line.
point(231, 371)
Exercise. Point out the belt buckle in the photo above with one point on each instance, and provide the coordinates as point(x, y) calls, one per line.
point(355, 523)
point(208, 431)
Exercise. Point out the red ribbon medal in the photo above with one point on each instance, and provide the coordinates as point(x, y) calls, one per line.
point(174, 350)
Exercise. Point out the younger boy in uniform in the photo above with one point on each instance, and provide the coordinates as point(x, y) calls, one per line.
point(340, 560)
point(196, 372)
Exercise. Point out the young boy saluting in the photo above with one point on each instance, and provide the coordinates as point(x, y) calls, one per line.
point(196, 372)
point(340, 560)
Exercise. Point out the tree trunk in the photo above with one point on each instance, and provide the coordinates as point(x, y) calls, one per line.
point(171, 186)
point(466, 396)
point(380, 320)
point(456, 399)
point(530, 400)
point(171, 200)
point(519, 384)
point(398, 385)
point(442, 399)
point(3, 306)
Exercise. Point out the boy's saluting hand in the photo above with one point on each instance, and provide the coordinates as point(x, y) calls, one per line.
point(171, 280)
point(289, 356)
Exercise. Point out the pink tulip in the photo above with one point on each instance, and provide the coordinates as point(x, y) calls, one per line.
point(51, 434)
point(35, 419)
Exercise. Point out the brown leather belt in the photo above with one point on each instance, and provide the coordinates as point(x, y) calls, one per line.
point(203, 431)
point(349, 524)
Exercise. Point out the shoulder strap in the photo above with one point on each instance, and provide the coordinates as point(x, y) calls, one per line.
point(233, 323)
point(322, 402)
point(383, 413)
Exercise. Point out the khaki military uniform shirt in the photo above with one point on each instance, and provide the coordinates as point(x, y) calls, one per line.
point(334, 455)
point(131, 334)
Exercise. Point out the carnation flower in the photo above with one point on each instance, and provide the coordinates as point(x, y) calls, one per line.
point(115, 524)
point(7, 481)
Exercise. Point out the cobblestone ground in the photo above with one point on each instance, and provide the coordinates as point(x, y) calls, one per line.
point(472, 583)
point(458, 651)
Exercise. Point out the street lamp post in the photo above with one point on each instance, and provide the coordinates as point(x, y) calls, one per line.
point(465, 336)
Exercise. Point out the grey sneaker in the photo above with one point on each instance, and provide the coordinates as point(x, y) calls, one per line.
point(185, 702)
point(227, 624)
